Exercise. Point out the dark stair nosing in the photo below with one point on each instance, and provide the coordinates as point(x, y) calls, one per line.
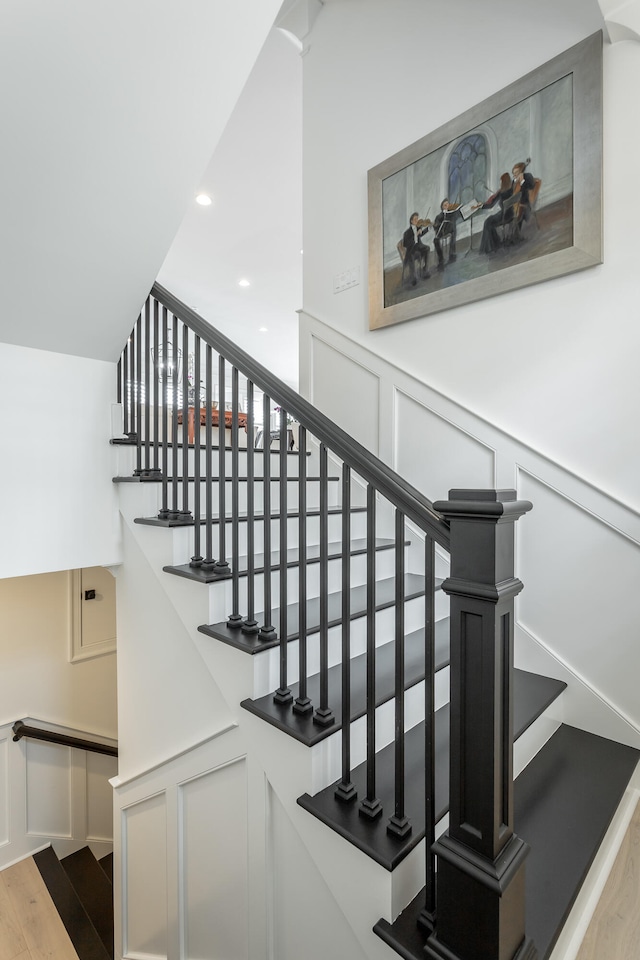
point(258, 478)
point(532, 695)
point(251, 643)
point(94, 891)
point(358, 548)
point(126, 442)
point(291, 515)
point(82, 933)
point(563, 829)
point(302, 727)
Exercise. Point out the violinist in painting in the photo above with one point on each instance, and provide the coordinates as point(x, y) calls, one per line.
point(414, 248)
point(444, 227)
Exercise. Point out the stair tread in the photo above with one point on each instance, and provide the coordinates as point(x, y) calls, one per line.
point(258, 478)
point(275, 515)
point(251, 643)
point(94, 891)
point(531, 696)
point(563, 831)
point(357, 548)
point(304, 729)
point(81, 930)
point(106, 863)
point(126, 442)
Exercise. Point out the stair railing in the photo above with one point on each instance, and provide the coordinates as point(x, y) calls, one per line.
point(162, 382)
point(53, 734)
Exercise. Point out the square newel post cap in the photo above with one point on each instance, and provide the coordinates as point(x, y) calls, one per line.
point(469, 504)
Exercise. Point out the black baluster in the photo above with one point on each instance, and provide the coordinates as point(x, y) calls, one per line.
point(222, 564)
point(144, 389)
point(283, 694)
point(137, 350)
point(235, 618)
point(267, 630)
point(323, 715)
point(185, 513)
point(156, 390)
point(250, 624)
point(428, 913)
point(174, 512)
point(399, 825)
point(208, 563)
point(346, 790)
point(164, 509)
point(132, 433)
point(196, 559)
point(370, 806)
point(302, 703)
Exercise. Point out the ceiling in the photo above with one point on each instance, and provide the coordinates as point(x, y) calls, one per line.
point(253, 228)
point(110, 112)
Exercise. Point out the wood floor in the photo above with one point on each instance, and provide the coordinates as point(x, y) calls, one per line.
point(30, 928)
point(614, 931)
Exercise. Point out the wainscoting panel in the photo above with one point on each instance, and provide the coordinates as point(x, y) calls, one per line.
point(351, 390)
point(581, 577)
point(49, 774)
point(99, 768)
point(434, 454)
point(214, 908)
point(144, 869)
point(4, 789)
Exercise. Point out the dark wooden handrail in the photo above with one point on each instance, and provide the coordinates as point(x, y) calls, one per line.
point(398, 491)
point(21, 729)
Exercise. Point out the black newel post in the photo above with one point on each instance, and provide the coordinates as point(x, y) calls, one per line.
point(480, 907)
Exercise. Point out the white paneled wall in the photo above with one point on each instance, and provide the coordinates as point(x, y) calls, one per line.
point(578, 552)
point(50, 793)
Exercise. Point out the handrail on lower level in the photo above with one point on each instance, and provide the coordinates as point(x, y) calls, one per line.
point(21, 729)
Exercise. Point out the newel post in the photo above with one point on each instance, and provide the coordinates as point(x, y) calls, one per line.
point(480, 907)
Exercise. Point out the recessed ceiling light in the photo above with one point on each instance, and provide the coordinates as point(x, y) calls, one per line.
point(203, 199)
point(263, 330)
point(244, 283)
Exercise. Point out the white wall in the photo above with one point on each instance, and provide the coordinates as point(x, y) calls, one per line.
point(554, 364)
point(59, 505)
point(37, 678)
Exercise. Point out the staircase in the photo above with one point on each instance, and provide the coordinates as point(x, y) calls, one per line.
point(81, 888)
point(348, 595)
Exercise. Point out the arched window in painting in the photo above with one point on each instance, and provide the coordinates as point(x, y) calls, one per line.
point(468, 169)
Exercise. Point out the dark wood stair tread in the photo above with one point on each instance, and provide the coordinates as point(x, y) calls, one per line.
point(242, 517)
point(251, 643)
point(94, 891)
point(357, 548)
point(532, 695)
point(81, 930)
point(564, 801)
point(106, 863)
point(304, 729)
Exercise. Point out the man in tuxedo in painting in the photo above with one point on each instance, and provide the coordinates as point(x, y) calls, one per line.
point(415, 249)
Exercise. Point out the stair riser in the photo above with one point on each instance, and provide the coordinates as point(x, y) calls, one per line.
point(312, 491)
point(127, 460)
point(183, 536)
point(327, 755)
point(267, 662)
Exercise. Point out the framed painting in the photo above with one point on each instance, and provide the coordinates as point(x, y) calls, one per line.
point(503, 196)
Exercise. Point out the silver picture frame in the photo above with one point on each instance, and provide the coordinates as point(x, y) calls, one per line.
point(553, 114)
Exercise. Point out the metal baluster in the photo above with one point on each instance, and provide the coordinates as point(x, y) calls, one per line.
point(323, 714)
point(208, 563)
point(370, 806)
point(132, 432)
point(235, 618)
point(174, 512)
point(283, 694)
point(144, 388)
point(156, 391)
point(164, 509)
point(135, 385)
point(196, 559)
point(428, 914)
point(346, 790)
point(119, 383)
point(185, 513)
point(250, 624)
point(399, 825)
point(126, 388)
point(222, 564)
point(302, 703)
point(267, 630)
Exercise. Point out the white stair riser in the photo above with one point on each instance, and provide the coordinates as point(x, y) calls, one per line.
point(327, 755)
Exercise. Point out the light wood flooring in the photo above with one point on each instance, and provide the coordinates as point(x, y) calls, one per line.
point(614, 931)
point(30, 928)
